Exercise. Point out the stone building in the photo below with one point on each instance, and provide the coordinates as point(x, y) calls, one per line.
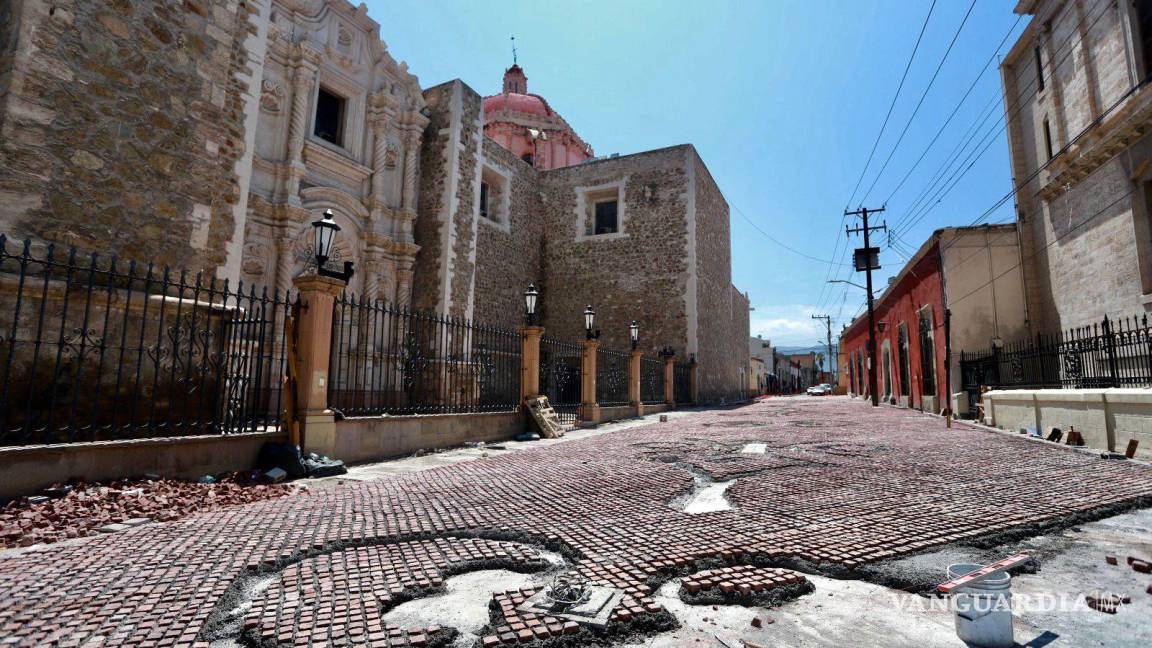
point(209, 134)
point(1079, 109)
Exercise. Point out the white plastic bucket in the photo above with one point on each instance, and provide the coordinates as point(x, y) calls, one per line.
point(983, 609)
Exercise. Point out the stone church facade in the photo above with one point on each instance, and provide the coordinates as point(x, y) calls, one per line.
point(209, 134)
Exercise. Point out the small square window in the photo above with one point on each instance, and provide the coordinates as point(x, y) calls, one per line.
point(330, 117)
point(606, 217)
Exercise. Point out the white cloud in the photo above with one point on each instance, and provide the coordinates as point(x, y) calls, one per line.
point(788, 325)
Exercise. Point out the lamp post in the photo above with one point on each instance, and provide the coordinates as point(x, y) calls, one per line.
point(634, 332)
point(589, 322)
point(530, 297)
point(325, 230)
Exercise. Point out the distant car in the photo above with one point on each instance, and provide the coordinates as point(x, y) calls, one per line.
point(817, 390)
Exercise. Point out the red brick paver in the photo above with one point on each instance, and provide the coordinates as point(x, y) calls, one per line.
point(840, 485)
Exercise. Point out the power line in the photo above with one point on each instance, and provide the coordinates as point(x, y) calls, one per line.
point(921, 102)
point(956, 109)
point(891, 106)
point(916, 214)
point(780, 243)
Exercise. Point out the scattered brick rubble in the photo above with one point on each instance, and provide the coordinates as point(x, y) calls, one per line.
point(863, 486)
point(86, 508)
point(633, 616)
point(744, 585)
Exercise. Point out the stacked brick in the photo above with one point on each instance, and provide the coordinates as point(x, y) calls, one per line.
point(743, 585)
point(513, 626)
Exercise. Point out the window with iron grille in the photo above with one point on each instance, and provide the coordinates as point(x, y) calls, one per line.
point(927, 354)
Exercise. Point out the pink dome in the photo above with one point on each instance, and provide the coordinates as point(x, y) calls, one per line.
point(515, 102)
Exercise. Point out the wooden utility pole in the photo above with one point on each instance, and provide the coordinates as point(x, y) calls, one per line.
point(828, 324)
point(866, 260)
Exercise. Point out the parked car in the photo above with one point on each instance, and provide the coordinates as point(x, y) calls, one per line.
point(818, 390)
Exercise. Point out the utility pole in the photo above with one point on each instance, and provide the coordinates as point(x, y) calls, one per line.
point(867, 259)
point(828, 324)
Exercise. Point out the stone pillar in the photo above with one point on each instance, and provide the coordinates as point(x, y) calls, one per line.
point(694, 381)
point(530, 361)
point(634, 380)
point(313, 349)
point(670, 380)
point(404, 283)
point(411, 154)
point(589, 412)
point(634, 377)
point(304, 79)
point(379, 155)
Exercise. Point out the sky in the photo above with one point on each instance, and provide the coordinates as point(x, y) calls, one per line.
point(783, 99)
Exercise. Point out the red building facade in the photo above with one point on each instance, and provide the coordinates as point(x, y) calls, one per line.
point(911, 349)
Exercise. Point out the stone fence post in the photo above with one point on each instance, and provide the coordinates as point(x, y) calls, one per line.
point(313, 350)
point(530, 362)
point(670, 380)
point(634, 381)
point(589, 412)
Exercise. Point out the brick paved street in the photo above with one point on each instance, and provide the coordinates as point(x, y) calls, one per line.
point(839, 485)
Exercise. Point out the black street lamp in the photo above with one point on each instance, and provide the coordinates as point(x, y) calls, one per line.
point(530, 296)
point(326, 229)
point(589, 322)
point(667, 352)
point(634, 332)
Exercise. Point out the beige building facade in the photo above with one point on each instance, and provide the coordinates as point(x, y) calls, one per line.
point(1079, 109)
point(209, 134)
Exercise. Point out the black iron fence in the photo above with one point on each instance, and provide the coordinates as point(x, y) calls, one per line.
point(560, 364)
point(389, 360)
point(1112, 353)
point(651, 380)
point(611, 377)
point(93, 350)
point(682, 383)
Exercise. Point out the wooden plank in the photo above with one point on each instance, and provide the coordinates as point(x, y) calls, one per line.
point(983, 572)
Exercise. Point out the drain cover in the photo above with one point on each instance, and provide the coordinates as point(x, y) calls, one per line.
point(594, 611)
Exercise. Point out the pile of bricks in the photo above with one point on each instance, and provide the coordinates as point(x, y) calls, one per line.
point(744, 585)
point(83, 508)
point(513, 626)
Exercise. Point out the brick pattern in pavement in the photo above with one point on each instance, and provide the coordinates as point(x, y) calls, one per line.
point(840, 485)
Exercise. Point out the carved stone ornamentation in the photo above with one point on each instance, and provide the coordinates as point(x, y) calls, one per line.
point(271, 96)
point(255, 259)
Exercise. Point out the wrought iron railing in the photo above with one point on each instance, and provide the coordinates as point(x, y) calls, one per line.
point(95, 351)
point(1113, 353)
point(560, 376)
point(611, 378)
point(390, 360)
point(682, 383)
point(651, 380)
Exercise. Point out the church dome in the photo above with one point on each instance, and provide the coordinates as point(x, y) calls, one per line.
point(516, 102)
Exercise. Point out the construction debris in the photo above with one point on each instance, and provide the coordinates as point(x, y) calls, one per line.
point(90, 507)
point(545, 417)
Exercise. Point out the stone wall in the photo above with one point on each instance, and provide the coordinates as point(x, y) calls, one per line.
point(639, 274)
point(1084, 229)
point(123, 125)
point(508, 245)
point(721, 312)
point(445, 227)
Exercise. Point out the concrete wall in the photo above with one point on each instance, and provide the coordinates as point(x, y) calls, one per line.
point(26, 469)
point(1106, 418)
point(984, 289)
point(372, 438)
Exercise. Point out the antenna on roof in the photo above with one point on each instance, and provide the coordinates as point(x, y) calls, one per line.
point(513, 50)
